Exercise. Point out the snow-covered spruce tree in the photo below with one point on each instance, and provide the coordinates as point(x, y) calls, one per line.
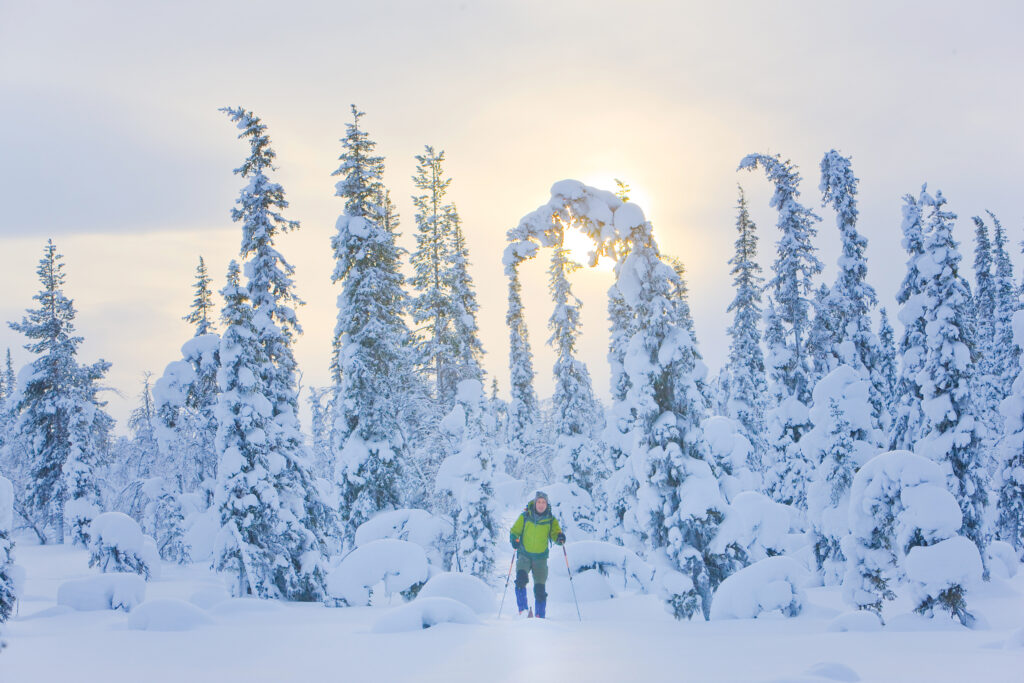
point(164, 520)
point(1010, 475)
point(185, 400)
point(785, 466)
point(982, 313)
point(907, 416)
point(444, 302)
point(794, 267)
point(58, 418)
point(320, 431)
point(951, 434)
point(577, 459)
point(744, 374)
point(8, 592)
point(843, 438)
point(524, 409)
point(201, 313)
point(851, 299)
point(468, 351)
point(678, 504)
point(306, 520)
point(431, 305)
point(372, 361)
point(887, 369)
point(1006, 353)
point(250, 540)
point(468, 475)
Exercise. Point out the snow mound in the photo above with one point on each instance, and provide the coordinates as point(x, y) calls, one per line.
point(464, 588)
point(428, 531)
point(1015, 641)
point(107, 591)
point(1003, 561)
point(859, 620)
point(243, 606)
point(773, 583)
point(424, 613)
point(591, 586)
point(756, 523)
point(167, 614)
point(621, 567)
point(205, 598)
point(833, 671)
point(399, 564)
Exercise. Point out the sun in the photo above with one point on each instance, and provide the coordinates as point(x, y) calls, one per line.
point(578, 244)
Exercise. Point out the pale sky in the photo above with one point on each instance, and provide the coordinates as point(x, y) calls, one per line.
point(111, 142)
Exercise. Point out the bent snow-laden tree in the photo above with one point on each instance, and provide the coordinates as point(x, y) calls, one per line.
point(660, 413)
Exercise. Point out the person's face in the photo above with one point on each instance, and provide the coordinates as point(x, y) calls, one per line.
point(541, 505)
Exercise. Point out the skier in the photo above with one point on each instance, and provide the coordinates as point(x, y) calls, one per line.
point(531, 536)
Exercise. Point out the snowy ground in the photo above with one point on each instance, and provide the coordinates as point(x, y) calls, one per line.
point(628, 638)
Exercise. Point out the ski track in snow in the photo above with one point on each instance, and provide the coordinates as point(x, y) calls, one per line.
point(630, 638)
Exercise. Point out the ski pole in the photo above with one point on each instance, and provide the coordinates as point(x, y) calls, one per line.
point(571, 584)
point(502, 606)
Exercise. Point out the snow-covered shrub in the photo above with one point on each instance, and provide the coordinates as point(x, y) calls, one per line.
point(774, 583)
point(1002, 560)
point(898, 504)
point(117, 544)
point(108, 591)
point(860, 620)
point(939, 575)
point(843, 439)
point(573, 507)
point(430, 532)
point(622, 568)
point(424, 613)
point(465, 588)
point(400, 565)
point(755, 527)
point(736, 463)
point(165, 519)
point(167, 614)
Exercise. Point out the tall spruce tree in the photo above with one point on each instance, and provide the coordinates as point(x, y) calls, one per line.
point(59, 419)
point(951, 434)
point(575, 410)
point(372, 361)
point(1006, 354)
point(790, 367)
point(524, 410)
point(887, 370)
point(851, 299)
point(431, 307)
point(907, 415)
point(201, 313)
point(1010, 473)
point(987, 386)
point(744, 375)
point(307, 519)
point(468, 351)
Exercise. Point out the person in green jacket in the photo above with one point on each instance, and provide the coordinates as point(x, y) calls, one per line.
point(531, 536)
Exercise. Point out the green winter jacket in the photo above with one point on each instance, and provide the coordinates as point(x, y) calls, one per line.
point(537, 531)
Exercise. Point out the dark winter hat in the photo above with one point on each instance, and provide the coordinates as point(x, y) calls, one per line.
point(541, 494)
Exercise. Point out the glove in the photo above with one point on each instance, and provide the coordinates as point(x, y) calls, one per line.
point(560, 539)
point(515, 542)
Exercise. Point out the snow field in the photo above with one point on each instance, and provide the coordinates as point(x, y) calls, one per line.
point(631, 637)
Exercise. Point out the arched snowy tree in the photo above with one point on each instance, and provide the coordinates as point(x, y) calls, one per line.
point(659, 418)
